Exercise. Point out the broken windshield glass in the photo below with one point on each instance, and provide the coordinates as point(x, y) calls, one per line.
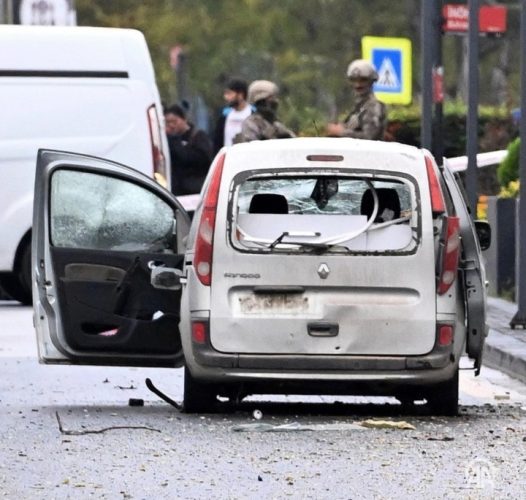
point(325, 212)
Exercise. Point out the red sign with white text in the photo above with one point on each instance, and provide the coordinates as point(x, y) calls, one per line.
point(492, 18)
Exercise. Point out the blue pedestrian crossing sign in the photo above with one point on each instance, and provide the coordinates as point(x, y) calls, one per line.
point(392, 59)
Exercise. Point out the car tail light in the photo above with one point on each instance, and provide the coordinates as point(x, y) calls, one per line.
point(199, 332)
point(445, 335)
point(450, 254)
point(438, 205)
point(205, 231)
point(158, 159)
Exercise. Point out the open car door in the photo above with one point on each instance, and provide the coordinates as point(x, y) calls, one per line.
point(107, 258)
point(473, 275)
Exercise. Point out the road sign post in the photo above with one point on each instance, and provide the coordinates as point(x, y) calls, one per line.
point(519, 320)
point(473, 103)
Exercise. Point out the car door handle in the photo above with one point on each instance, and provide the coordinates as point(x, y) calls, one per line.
point(323, 329)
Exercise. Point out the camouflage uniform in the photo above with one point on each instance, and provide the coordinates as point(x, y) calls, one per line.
point(257, 128)
point(367, 120)
point(262, 124)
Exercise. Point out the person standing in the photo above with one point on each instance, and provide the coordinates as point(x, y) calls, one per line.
point(233, 114)
point(263, 123)
point(190, 152)
point(368, 118)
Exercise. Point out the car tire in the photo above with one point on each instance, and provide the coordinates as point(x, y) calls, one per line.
point(24, 276)
point(17, 285)
point(10, 286)
point(199, 397)
point(443, 398)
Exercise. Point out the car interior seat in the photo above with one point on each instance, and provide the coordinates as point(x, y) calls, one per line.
point(388, 204)
point(268, 203)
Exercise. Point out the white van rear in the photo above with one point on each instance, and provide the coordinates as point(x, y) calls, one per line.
point(90, 90)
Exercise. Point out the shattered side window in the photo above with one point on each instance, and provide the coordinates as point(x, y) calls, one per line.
point(326, 213)
point(99, 212)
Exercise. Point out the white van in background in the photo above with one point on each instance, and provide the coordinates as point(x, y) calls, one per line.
point(90, 90)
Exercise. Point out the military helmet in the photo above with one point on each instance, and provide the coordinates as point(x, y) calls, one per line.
point(361, 68)
point(261, 89)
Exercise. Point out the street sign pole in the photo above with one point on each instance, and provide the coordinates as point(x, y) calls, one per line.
point(438, 132)
point(520, 317)
point(431, 42)
point(473, 98)
point(427, 41)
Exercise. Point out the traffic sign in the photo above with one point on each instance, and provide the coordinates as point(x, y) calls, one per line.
point(392, 59)
point(492, 18)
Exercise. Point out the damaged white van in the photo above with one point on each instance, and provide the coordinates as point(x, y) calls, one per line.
point(312, 266)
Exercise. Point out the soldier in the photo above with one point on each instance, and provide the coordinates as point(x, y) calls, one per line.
point(367, 120)
point(263, 123)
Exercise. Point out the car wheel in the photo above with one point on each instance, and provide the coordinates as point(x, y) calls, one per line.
point(24, 276)
point(11, 287)
point(199, 397)
point(18, 285)
point(443, 398)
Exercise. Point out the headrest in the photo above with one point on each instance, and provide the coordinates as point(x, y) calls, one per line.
point(268, 203)
point(388, 204)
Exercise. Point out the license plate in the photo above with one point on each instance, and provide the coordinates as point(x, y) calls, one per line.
point(274, 303)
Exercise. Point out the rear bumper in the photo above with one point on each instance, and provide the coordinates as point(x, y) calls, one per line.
point(382, 372)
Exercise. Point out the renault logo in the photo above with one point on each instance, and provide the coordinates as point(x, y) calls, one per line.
point(323, 271)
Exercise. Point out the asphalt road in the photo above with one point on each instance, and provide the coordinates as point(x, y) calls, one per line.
point(319, 447)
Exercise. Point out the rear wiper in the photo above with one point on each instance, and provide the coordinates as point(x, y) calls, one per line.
point(311, 245)
point(315, 247)
point(294, 234)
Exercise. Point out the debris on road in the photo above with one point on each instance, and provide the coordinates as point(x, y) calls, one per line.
point(387, 424)
point(162, 395)
point(68, 432)
point(294, 427)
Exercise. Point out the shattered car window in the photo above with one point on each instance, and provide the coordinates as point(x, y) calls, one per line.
point(326, 213)
point(98, 212)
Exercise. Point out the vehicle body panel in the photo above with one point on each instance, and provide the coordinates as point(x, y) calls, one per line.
point(369, 297)
point(88, 90)
point(94, 297)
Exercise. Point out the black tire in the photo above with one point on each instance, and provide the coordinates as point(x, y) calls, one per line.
point(199, 397)
point(443, 398)
point(10, 286)
point(17, 285)
point(24, 276)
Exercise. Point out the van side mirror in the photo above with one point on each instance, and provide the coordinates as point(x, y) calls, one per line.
point(483, 230)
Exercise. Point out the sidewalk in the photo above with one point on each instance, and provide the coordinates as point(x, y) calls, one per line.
point(505, 348)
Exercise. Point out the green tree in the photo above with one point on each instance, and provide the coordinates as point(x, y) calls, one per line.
point(304, 45)
point(508, 170)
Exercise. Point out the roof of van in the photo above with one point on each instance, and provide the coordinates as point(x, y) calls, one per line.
point(74, 48)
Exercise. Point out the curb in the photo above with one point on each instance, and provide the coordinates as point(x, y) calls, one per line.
point(505, 354)
point(503, 350)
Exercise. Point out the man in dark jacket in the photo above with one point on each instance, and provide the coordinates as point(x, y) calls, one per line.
point(190, 152)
